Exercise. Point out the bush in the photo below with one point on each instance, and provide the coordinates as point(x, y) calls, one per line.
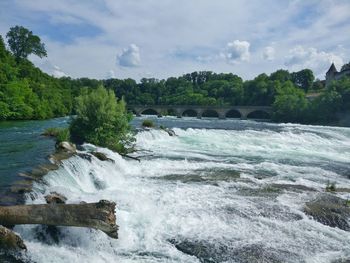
point(102, 120)
point(147, 123)
point(330, 187)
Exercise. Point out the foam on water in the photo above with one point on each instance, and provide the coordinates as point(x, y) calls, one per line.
point(155, 206)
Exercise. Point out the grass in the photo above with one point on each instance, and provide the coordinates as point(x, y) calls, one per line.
point(61, 134)
point(147, 123)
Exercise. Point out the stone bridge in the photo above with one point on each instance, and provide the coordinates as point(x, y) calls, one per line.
point(221, 112)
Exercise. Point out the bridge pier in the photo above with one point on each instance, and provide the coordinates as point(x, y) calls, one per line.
point(222, 114)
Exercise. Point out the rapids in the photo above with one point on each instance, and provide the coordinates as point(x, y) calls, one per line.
point(204, 195)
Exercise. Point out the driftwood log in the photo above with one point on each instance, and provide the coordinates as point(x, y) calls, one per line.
point(92, 215)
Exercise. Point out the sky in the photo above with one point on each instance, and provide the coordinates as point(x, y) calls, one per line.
point(162, 38)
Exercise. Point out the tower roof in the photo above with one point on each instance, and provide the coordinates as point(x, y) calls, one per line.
point(332, 69)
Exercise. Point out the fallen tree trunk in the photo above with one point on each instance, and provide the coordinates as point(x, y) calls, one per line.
point(93, 215)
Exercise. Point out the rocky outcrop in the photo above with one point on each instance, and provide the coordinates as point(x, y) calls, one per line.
point(102, 156)
point(64, 150)
point(55, 198)
point(223, 252)
point(329, 210)
point(9, 240)
point(66, 146)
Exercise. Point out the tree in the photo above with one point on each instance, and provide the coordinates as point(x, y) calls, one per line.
point(280, 75)
point(290, 104)
point(101, 120)
point(23, 42)
point(345, 67)
point(303, 79)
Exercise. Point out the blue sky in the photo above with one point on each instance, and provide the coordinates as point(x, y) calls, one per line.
point(149, 38)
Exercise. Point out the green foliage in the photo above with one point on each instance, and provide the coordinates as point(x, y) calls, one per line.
point(330, 187)
point(101, 120)
point(345, 67)
point(290, 104)
point(28, 93)
point(22, 43)
point(303, 79)
point(148, 123)
point(61, 134)
point(52, 132)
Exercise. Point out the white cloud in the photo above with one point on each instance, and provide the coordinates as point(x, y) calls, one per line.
point(237, 51)
point(57, 72)
point(47, 66)
point(111, 74)
point(269, 53)
point(300, 57)
point(161, 26)
point(130, 57)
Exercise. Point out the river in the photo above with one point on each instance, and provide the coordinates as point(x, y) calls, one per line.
point(205, 195)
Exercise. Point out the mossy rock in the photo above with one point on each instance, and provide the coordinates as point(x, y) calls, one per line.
point(10, 240)
point(294, 187)
point(329, 210)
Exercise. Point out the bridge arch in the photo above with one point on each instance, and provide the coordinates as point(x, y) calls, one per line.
point(189, 113)
point(210, 114)
point(259, 114)
point(234, 114)
point(171, 112)
point(149, 111)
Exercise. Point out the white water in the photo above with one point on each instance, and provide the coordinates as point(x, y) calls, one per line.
point(161, 198)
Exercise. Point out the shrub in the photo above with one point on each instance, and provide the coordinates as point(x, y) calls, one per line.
point(330, 187)
point(147, 123)
point(102, 120)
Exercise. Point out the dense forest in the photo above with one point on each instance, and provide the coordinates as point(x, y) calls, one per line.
point(28, 93)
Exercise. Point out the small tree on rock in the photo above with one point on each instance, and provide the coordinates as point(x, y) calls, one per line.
point(102, 120)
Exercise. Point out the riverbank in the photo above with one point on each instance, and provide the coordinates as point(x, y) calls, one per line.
point(22, 149)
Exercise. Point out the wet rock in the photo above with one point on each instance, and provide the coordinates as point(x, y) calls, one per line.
point(170, 132)
point(211, 177)
point(85, 156)
point(341, 260)
point(267, 191)
point(98, 182)
point(48, 234)
point(278, 212)
point(10, 257)
point(9, 240)
point(294, 187)
point(66, 146)
point(342, 190)
point(102, 156)
point(21, 187)
point(329, 210)
point(59, 156)
point(55, 198)
point(259, 254)
point(225, 252)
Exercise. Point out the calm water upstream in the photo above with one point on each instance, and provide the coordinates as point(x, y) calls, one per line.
point(206, 192)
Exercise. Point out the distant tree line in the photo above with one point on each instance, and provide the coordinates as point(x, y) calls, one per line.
point(28, 93)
